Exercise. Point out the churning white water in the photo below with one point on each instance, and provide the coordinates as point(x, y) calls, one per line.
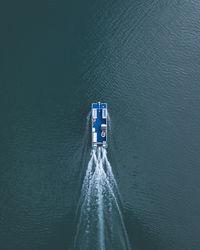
point(100, 224)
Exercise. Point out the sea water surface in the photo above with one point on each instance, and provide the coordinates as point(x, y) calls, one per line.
point(142, 57)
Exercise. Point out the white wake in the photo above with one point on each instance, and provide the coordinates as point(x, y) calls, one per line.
point(101, 224)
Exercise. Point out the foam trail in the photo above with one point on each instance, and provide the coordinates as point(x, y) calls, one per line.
point(100, 221)
point(100, 201)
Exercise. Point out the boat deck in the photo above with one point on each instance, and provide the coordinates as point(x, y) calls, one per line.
point(99, 118)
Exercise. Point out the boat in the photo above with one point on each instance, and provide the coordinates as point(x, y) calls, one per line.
point(99, 124)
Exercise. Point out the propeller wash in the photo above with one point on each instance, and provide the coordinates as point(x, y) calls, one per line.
point(100, 224)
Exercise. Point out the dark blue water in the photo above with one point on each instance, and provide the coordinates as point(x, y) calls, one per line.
point(143, 59)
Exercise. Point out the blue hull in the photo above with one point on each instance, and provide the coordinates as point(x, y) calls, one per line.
point(99, 124)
